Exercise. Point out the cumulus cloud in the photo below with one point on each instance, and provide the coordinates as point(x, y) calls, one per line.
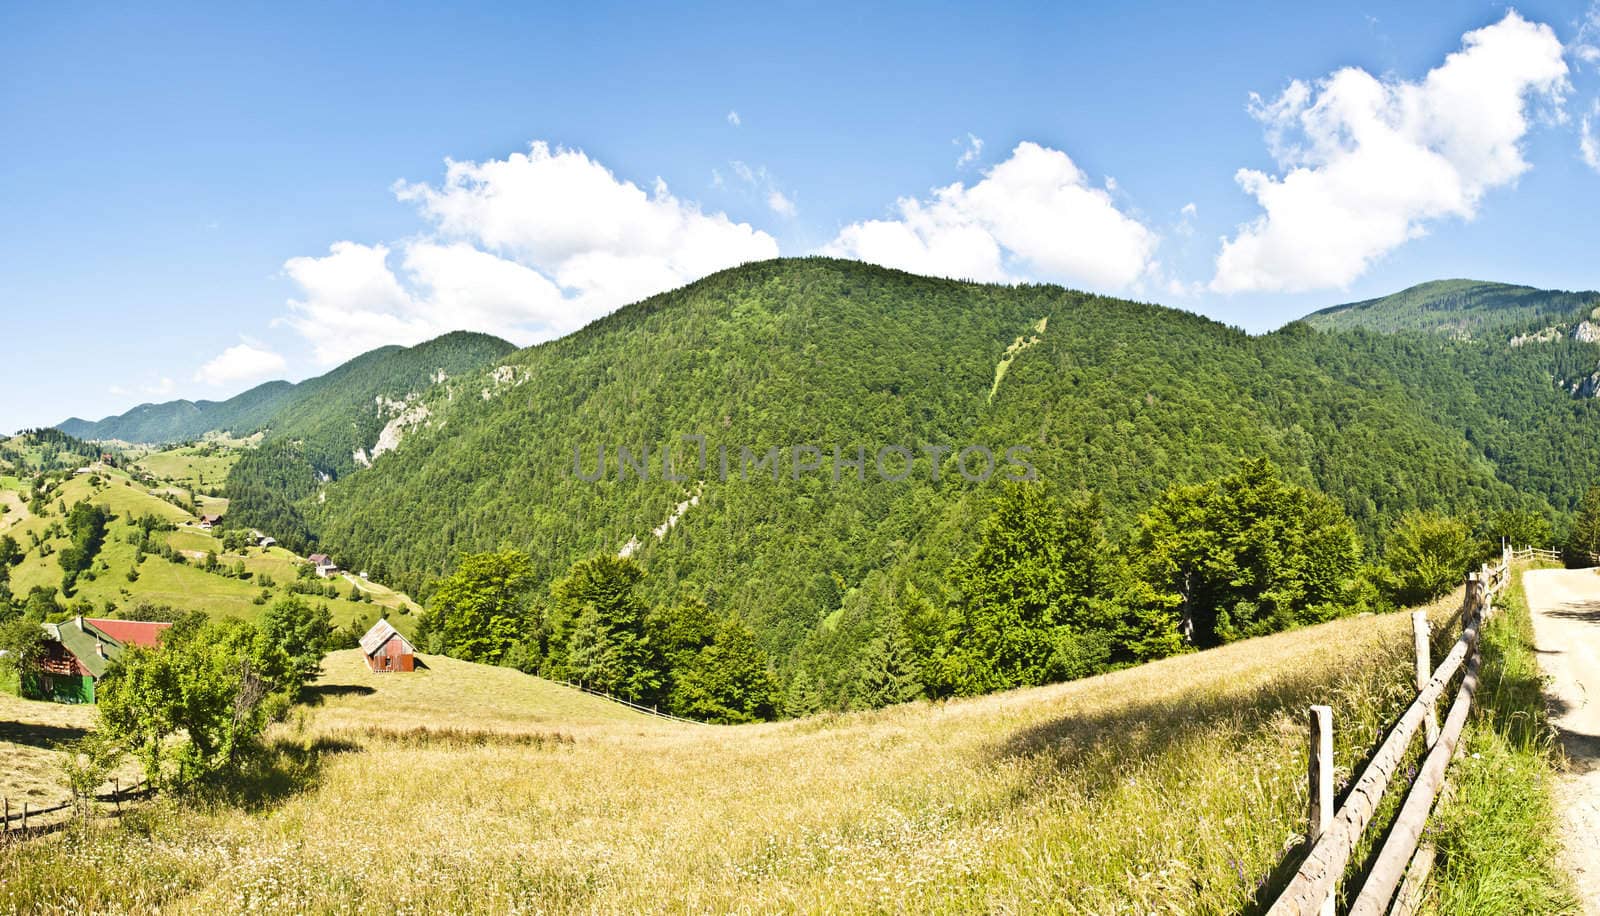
point(1034, 215)
point(1367, 163)
point(734, 119)
point(529, 247)
point(239, 363)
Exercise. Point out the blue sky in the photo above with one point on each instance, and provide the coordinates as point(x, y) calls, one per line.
point(196, 199)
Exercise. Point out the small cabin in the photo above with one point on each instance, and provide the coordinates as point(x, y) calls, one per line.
point(387, 650)
point(323, 564)
point(207, 522)
point(79, 651)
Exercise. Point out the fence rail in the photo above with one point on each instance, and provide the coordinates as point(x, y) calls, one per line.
point(16, 819)
point(648, 710)
point(1333, 835)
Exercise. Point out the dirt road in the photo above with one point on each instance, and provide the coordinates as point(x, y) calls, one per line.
point(1566, 624)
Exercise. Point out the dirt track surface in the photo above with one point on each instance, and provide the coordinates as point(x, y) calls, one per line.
point(1566, 625)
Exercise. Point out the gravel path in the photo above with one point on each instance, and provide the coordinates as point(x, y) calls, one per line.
point(1566, 624)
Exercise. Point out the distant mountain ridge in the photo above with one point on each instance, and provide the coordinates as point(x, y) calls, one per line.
point(1458, 308)
point(175, 421)
point(391, 371)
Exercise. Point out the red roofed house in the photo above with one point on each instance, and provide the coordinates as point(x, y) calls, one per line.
point(79, 653)
point(324, 564)
point(386, 649)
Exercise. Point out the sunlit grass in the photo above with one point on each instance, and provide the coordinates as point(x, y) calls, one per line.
point(1175, 787)
point(1497, 835)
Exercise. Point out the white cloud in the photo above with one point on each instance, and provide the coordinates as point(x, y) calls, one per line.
point(780, 203)
point(761, 182)
point(1189, 210)
point(1368, 163)
point(972, 150)
point(1586, 46)
point(1034, 215)
point(528, 247)
point(1588, 143)
point(734, 119)
point(238, 363)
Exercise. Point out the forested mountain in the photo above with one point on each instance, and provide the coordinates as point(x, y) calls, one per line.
point(1120, 399)
point(1457, 308)
point(337, 422)
point(176, 421)
point(335, 409)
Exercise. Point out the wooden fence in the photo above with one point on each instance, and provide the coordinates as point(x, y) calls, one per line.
point(1395, 882)
point(648, 710)
point(26, 819)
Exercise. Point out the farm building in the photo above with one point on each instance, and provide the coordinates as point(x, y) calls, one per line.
point(207, 522)
point(324, 564)
point(386, 649)
point(79, 652)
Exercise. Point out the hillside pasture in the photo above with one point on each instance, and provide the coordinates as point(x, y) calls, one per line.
point(1177, 786)
point(191, 466)
point(186, 586)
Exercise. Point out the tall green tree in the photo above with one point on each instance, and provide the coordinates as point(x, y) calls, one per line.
point(889, 672)
point(1585, 536)
point(609, 646)
point(1036, 596)
point(727, 679)
point(1246, 554)
point(191, 710)
point(1426, 555)
point(10, 553)
point(480, 611)
point(303, 634)
point(1521, 528)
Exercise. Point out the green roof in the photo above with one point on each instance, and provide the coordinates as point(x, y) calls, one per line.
point(84, 642)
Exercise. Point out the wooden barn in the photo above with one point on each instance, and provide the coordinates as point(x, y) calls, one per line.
point(387, 650)
point(78, 653)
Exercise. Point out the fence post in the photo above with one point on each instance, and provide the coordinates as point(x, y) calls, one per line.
point(24, 816)
point(116, 794)
point(7, 826)
point(1320, 772)
point(1419, 638)
point(1474, 598)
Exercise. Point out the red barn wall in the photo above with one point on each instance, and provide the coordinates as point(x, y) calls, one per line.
point(392, 657)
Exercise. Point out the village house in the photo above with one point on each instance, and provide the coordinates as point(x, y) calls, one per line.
point(207, 522)
point(387, 650)
point(78, 653)
point(324, 565)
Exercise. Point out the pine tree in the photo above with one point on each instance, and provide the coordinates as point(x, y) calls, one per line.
point(609, 648)
point(888, 673)
point(803, 698)
point(1585, 537)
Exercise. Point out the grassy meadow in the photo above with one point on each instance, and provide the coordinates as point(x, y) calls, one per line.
point(1175, 787)
point(191, 466)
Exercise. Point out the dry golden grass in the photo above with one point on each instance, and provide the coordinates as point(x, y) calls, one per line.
point(31, 770)
point(1173, 787)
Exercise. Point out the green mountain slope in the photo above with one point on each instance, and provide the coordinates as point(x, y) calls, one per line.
point(1117, 397)
point(337, 408)
point(335, 422)
point(175, 421)
point(1455, 307)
